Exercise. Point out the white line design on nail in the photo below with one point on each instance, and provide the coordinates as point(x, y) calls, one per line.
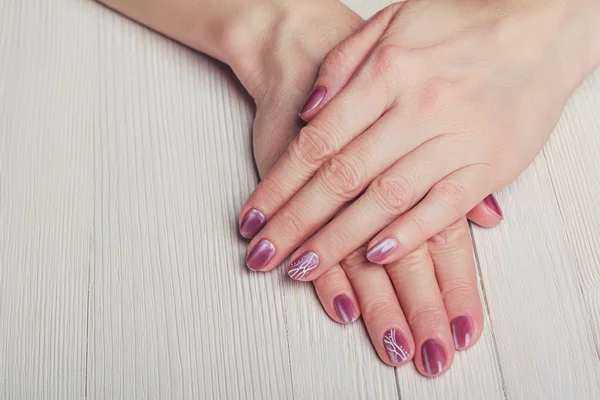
point(396, 352)
point(302, 266)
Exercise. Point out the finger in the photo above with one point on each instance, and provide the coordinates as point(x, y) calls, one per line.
point(391, 194)
point(335, 126)
point(337, 296)
point(381, 311)
point(339, 181)
point(417, 289)
point(342, 61)
point(446, 202)
point(452, 254)
point(487, 213)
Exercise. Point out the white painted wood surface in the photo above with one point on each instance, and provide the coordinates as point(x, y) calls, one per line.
point(123, 161)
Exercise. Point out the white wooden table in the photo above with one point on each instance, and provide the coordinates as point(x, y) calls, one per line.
point(122, 275)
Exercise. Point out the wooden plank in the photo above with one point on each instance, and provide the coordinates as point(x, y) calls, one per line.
point(175, 313)
point(540, 267)
point(46, 199)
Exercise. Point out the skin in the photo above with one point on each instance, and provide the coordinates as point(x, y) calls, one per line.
point(430, 107)
point(419, 294)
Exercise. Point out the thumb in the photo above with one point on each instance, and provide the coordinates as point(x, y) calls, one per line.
point(342, 61)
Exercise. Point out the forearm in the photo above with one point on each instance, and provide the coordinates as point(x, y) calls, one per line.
point(214, 27)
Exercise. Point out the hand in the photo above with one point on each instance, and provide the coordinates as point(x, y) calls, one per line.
point(421, 114)
point(424, 306)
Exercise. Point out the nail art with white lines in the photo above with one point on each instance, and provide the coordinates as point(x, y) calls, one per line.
point(396, 346)
point(303, 265)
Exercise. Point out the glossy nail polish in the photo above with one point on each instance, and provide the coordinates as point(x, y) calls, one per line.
point(314, 99)
point(303, 265)
point(461, 331)
point(344, 307)
point(492, 205)
point(252, 222)
point(260, 255)
point(396, 346)
point(382, 250)
point(434, 356)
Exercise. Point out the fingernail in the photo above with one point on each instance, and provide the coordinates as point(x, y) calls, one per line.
point(382, 250)
point(493, 206)
point(261, 254)
point(461, 331)
point(303, 265)
point(434, 356)
point(396, 346)
point(344, 307)
point(314, 99)
point(252, 222)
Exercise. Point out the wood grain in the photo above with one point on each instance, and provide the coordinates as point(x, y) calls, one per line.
point(123, 161)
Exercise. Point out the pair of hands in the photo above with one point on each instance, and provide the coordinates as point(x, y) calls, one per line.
point(414, 118)
point(424, 305)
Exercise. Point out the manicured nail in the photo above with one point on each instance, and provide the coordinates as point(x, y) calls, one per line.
point(261, 254)
point(493, 206)
point(434, 356)
point(252, 222)
point(461, 331)
point(314, 99)
point(382, 250)
point(344, 307)
point(303, 265)
point(396, 346)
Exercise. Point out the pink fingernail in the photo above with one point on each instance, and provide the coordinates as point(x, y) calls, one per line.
point(314, 99)
point(303, 265)
point(260, 255)
point(396, 346)
point(382, 250)
point(344, 307)
point(252, 222)
point(433, 356)
point(461, 331)
point(493, 206)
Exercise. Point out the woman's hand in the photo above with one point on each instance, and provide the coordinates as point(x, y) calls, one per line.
point(422, 307)
point(421, 114)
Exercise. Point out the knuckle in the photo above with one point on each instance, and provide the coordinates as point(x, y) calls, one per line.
point(331, 279)
point(451, 193)
point(312, 145)
point(454, 234)
point(389, 59)
point(337, 59)
point(435, 94)
point(355, 259)
point(459, 294)
point(427, 315)
point(381, 309)
point(419, 226)
point(290, 225)
point(343, 178)
point(394, 194)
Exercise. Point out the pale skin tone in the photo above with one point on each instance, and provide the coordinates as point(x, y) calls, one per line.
point(275, 48)
point(415, 119)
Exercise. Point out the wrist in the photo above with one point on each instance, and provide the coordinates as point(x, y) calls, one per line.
point(261, 42)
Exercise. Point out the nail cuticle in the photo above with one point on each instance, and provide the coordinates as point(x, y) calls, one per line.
point(314, 99)
point(396, 346)
point(260, 255)
point(462, 331)
point(433, 356)
point(252, 223)
point(382, 250)
point(303, 265)
point(344, 307)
